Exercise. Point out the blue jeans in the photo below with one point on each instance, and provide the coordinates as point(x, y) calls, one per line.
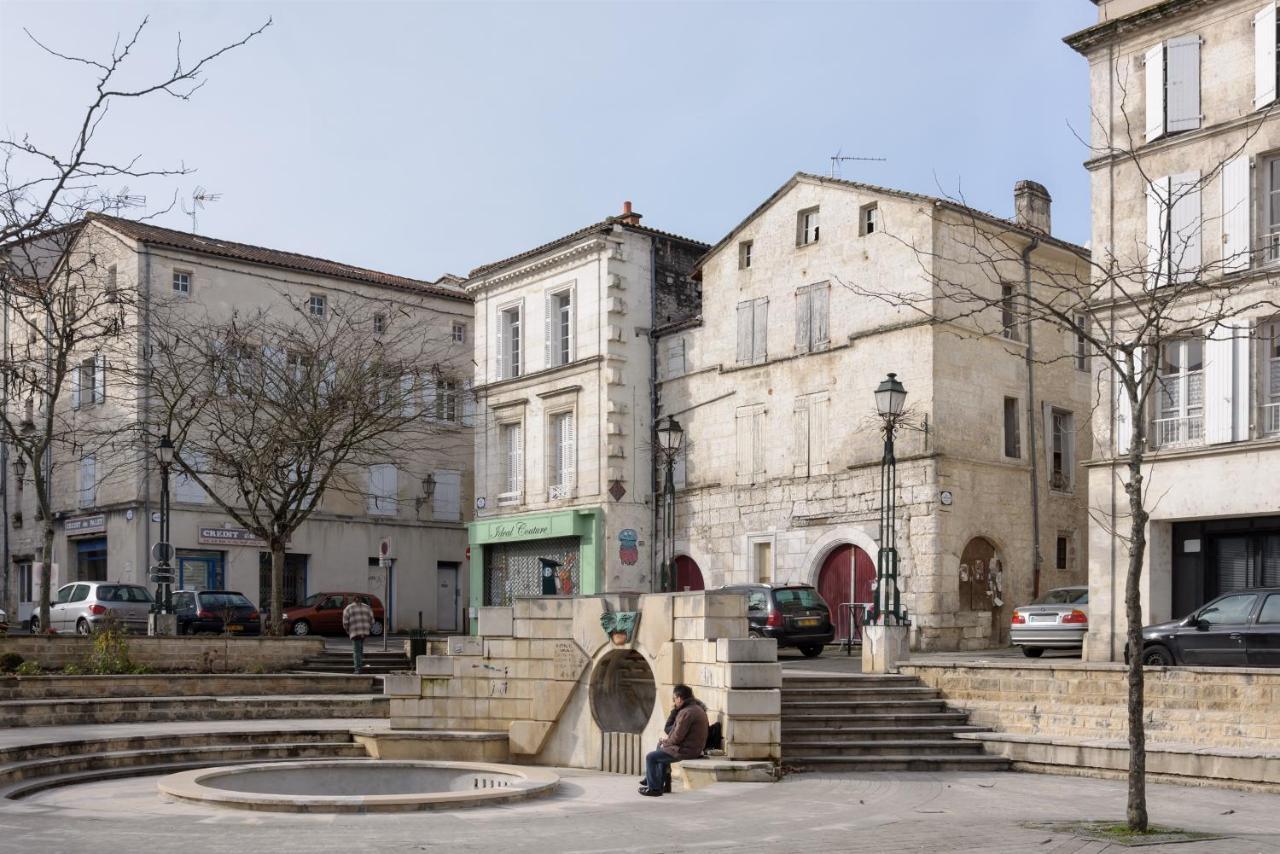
point(657, 768)
point(357, 650)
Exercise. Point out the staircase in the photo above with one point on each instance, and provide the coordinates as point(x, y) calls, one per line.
point(340, 661)
point(875, 723)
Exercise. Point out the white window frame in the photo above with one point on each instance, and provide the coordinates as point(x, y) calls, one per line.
point(458, 331)
point(1060, 438)
point(384, 490)
point(744, 254)
point(318, 305)
point(562, 454)
point(1010, 328)
point(88, 480)
point(868, 219)
point(1081, 355)
point(808, 226)
point(1182, 421)
point(511, 457)
point(560, 326)
point(510, 340)
point(1269, 382)
point(182, 282)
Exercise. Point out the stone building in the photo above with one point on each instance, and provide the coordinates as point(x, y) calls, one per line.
point(1184, 95)
point(106, 505)
point(773, 386)
point(564, 383)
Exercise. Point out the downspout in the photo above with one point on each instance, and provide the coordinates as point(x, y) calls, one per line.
point(145, 364)
point(654, 404)
point(1031, 421)
point(1111, 323)
point(4, 461)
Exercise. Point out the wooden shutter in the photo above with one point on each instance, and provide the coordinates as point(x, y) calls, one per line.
point(515, 461)
point(804, 314)
point(499, 337)
point(818, 409)
point(568, 453)
point(1154, 60)
point(1183, 86)
point(550, 328)
point(1185, 226)
point(760, 330)
point(745, 318)
point(75, 385)
point(1236, 209)
point(446, 501)
point(1244, 377)
point(1157, 232)
point(99, 378)
point(821, 306)
point(468, 404)
point(1264, 56)
point(742, 434)
point(758, 445)
point(1047, 418)
point(1219, 385)
point(800, 438)
point(407, 404)
point(430, 395)
point(88, 479)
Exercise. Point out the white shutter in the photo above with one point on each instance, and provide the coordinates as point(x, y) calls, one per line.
point(517, 456)
point(375, 488)
point(1047, 417)
point(1219, 385)
point(757, 442)
point(1123, 427)
point(1185, 226)
point(446, 501)
point(468, 404)
point(760, 330)
point(186, 488)
point(1157, 232)
point(430, 391)
point(745, 317)
point(568, 451)
point(1183, 58)
point(800, 440)
point(743, 436)
point(75, 385)
point(499, 336)
point(88, 480)
point(99, 378)
point(821, 308)
point(1235, 213)
point(818, 434)
point(679, 470)
point(1264, 56)
point(804, 313)
point(329, 381)
point(408, 409)
point(1155, 91)
point(549, 329)
point(1244, 378)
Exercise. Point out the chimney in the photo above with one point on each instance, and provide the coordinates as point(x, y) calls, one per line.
point(1031, 203)
point(630, 217)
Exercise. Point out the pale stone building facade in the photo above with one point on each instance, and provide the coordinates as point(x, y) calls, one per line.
point(106, 504)
point(564, 384)
point(773, 386)
point(1185, 97)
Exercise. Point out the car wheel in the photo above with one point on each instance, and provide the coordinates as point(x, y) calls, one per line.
point(811, 650)
point(376, 629)
point(1032, 651)
point(755, 635)
point(82, 627)
point(35, 625)
point(1157, 656)
point(302, 628)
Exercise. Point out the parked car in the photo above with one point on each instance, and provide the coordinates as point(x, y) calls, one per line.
point(1059, 619)
point(4, 622)
point(215, 611)
point(1237, 629)
point(792, 614)
point(321, 613)
point(83, 606)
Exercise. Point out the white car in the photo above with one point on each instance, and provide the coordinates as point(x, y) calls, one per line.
point(4, 621)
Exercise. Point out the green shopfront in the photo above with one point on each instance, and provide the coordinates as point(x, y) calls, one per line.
point(532, 555)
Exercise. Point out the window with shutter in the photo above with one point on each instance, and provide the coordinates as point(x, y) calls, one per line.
point(1155, 91)
point(1185, 227)
point(185, 487)
point(446, 501)
point(800, 438)
point(562, 457)
point(1182, 85)
point(468, 403)
point(88, 480)
point(508, 340)
point(1236, 208)
point(812, 317)
point(1180, 393)
point(750, 435)
point(408, 403)
point(804, 316)
point(1060, 440)
point(1124, 423)
point(1012, 435)
point(430, 397)
point(1264, 56)
point(512, 442)
point(383, 490)
point(758, 445)
point(746, 316)
point(760, 330)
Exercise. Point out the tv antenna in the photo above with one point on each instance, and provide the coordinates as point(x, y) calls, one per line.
point(840, 157)
point(124, 199)
point(199, 199)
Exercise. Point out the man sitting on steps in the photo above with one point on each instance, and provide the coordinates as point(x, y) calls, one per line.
point(686, 740)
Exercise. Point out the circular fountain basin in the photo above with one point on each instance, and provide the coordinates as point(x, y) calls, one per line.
point(358, 785)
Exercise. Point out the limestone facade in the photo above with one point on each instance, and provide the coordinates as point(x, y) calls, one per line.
point(780, 473)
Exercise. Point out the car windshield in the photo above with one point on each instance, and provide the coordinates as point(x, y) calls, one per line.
point(217, 601)
point(1064, 596)
point(1229, 609)
point(797, 597)
point(311, 600)
point(123, 593)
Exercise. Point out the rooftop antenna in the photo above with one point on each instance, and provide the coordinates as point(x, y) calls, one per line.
point(839, 157)
point(124, 199)
point(199, 199)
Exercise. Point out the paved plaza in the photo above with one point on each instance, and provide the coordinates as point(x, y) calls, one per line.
point(1004, 812)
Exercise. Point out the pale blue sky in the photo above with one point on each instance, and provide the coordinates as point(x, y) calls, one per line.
point(421, 138)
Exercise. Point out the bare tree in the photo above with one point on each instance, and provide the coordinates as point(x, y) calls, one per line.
point(274, 410)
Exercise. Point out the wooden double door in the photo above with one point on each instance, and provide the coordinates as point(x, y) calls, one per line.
point(847, 575)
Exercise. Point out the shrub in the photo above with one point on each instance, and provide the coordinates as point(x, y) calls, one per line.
point(110, 653)
point(9, 662)
point(28, 668)
point(73, 669)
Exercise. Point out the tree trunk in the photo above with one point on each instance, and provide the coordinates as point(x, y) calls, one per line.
point(1137, 806)
point(46, 573)
point(277, 587)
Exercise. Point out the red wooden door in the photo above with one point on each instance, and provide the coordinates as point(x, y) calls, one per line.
point(846, 576)
point(688, 575)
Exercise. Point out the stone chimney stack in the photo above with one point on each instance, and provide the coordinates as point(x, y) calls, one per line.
point(630, 217)
point(1031, 202)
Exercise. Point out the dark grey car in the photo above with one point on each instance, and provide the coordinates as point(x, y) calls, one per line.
point(1057, 620)
point(83, 606)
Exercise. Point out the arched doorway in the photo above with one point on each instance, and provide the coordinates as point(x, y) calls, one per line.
point(981, 586)
point(846, 576)
point(688, 575)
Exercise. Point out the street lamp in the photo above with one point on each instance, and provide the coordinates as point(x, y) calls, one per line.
point(890, 397)
point(428, 490)
point(670, 438)
point(165, 452)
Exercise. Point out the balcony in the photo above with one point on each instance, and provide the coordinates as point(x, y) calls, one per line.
point(1270, 419)
point(1178, 432)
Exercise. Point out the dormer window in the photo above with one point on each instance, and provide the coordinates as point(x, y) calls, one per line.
point(807, 227)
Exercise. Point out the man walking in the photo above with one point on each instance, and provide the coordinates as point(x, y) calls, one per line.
point(357, 621)
point(686, 740)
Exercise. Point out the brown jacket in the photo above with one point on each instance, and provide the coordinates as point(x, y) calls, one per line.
point(688, 738)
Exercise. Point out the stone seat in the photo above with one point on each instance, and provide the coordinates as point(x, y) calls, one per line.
point(434, 744)
point(692, 774)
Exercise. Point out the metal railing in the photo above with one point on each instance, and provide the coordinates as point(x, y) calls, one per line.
point(1173, 432)
point(1270, 418)
point(857, 619)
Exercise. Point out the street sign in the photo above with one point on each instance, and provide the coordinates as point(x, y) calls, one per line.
point(162, 577)
point(162, 552)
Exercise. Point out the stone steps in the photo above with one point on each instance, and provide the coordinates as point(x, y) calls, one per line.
point(340, 661)
point(122, 743)
point(796, 749)
point(861, 707)
point(67, 712)
point(182, 685)
point(876, 733)
point(889, 762)
point(939, 718)
point(806, 696)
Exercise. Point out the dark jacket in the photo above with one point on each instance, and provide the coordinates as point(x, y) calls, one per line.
point(688, 738)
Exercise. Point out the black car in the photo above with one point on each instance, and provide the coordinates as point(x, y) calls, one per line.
point(1237, 629)
point(792, 614)
point(215, 610)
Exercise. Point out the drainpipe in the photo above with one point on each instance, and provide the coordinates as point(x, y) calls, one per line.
point(654, 405)
point(1031, 422)
point(4, 464)
point(143, 548)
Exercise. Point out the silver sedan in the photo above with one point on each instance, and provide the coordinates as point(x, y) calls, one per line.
point(1057, 620)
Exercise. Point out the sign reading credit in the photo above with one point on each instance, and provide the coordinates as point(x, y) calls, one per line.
point(229, 536)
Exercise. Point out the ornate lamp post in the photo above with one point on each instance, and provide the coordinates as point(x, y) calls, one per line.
point(670, 437)
point(890, 397)
point(163, 550)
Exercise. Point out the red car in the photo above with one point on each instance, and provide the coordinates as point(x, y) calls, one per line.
point(321, 613)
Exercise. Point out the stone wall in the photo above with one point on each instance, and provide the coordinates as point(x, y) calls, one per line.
point(199, 654)
point(539, 671)
point(1211, 707)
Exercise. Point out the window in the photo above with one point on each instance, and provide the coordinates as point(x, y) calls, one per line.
point(446, 501)
point(868, 219)
point(810, 435)
point(1173, 86)
point(1180, 393)
point(383, 490)
point(762, 560)
point(182, 282)
point(562, 456)
point(677, 358)
point(26, 586)
point(1229, 610)
point(807, 227)
point(812, 309)
point(559, 328)
point(1271, 209)
point(750, 441)
point(744, 255)
point(185, 487)
point(1264, 56)
point(1270, 334)
point(1009, 313)
point(379, 324)
point(88, 480)
point(88, 382)
point(508, 341)
point(459, 332)
point(317, 305)
point(753, 326)
point(444, 406)
point(1062, 435)
point(1012, 435)
point(1082, 343)
point(511, 448)
point(1270, 613)
point(1060, 551)
point(1173, 229)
